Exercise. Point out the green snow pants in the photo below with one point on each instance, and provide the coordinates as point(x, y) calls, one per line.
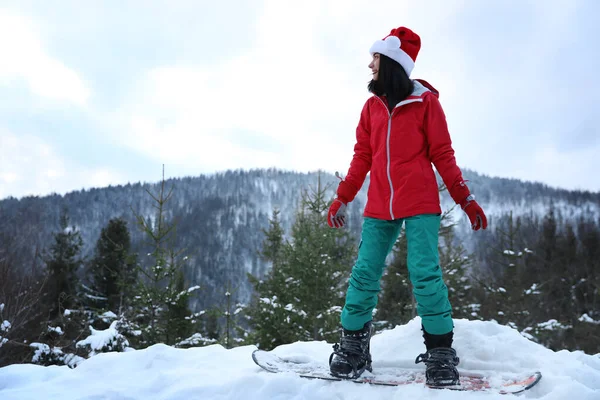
point(429, 289)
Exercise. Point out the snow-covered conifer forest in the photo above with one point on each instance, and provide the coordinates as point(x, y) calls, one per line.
point(225, 258)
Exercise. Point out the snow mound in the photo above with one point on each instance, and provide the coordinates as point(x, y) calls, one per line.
point(213, 372)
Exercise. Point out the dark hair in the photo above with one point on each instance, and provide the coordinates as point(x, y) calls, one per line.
point(392, 81)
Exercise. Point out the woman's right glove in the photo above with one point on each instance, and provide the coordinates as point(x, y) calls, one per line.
point(474, 212)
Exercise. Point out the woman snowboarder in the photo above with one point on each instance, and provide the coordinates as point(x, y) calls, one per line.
point(401, 132)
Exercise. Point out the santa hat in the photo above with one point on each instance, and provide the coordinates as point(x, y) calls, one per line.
point(401, 45)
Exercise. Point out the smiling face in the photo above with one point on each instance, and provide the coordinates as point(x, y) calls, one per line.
point(374, 66)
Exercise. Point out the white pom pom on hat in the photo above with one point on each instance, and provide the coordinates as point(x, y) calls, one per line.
point(392, 42)
point(401, 45)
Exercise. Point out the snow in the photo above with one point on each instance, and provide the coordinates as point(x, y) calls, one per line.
point(551, 325)
point(213, 372)
point(56, 329)
point(43, 351)
point(193, 288)
point(109, 315)
point(4, 327)
point(100, 339)
point(587, 318)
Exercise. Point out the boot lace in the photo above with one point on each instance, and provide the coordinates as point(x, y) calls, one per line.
point(352, 349)
point(349, 345)
point(439, 356)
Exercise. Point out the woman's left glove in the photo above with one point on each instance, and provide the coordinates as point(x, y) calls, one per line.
point(474, 212)
point(336, 216)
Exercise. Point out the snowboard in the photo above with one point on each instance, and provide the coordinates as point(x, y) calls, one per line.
point(395, 376)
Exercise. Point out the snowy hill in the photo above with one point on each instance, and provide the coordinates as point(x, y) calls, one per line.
point(221, 217)
point(162, 372)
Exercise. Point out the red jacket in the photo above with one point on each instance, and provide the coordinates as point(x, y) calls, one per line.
point(398, 149)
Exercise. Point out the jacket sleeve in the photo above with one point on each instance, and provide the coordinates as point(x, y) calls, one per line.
point(441, 152)
point(361, 161)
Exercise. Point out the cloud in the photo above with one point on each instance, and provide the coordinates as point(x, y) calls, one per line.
point(25, 60)
point(30, 166)
point(277, 92)
point(201, 90)
point(295, 93)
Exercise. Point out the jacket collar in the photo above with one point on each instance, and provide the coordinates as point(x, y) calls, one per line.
point(420, 88)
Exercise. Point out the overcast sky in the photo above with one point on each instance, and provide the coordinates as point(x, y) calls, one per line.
point(94, 93)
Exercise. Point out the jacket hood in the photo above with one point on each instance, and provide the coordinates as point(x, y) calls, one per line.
point(422, 86)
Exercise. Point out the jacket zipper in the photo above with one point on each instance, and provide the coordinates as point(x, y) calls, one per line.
point(389, 174)
point(389, 158)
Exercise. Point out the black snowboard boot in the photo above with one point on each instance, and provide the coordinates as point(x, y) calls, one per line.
point(352, 356)
point(440, 360)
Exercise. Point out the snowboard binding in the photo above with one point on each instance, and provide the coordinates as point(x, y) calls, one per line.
point(441, 365)
point(352, 356)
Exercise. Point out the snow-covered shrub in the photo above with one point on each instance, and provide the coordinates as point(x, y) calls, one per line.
point(103, 341)
point(4, 327)
point(46, 355)
point(196, 340)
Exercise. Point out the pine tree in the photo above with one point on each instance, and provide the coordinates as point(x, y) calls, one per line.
point(211, 326)
point(228, 312)
point(161, 298)
point(587, 289)
point(511, 288)
point(503, 290)
point(561, 274)
point(113, 269)
point(179, 326)
point(456, 264)
point(265, 313)
point(273, 244)
point(302, 296)
point(582, 271)
point(62, 264)
point(66, 319)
